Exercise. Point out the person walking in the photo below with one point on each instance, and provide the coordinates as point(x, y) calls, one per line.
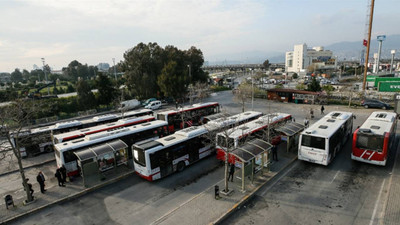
point(30, 189)
point(59, 177)
point(306, 122)
point(322, 109)
point(311, 113)
point(231, 171)
point(274, 153)
point(63, 173)
point(40, 179)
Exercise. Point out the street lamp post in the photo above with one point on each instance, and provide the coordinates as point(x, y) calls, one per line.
point(45, 75)
point(115, 73)
point(252, 91)
point(393, 52)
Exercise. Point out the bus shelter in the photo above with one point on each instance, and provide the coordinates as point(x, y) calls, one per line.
point(292, 132)
point(102, 157)
point(251, 158)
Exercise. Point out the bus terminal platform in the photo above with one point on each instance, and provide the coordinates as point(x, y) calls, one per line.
point(203, 206)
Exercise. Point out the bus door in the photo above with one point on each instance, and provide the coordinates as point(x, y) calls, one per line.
point(193, 149)
point(165, 164)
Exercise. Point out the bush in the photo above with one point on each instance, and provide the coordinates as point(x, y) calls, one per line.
point(215, 88)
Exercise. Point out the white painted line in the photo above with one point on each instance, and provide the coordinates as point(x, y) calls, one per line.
point(335, 176)
point(283, 175)
point(376, 203)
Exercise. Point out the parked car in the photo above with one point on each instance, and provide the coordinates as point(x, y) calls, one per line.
point(153, 105)
point(369, 103)
point(148, 101)
point(130, 104)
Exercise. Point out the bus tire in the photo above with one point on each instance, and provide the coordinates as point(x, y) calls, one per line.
point(181, 166)
point(48, 149)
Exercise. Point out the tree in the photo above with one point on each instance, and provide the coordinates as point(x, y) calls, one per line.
point(242, 93)
point(266, 64)
point(85, 98)
point(172, 82)
point(25, 74)
point(295, 76)
point(300, 86)
point(16, 76)
point(107, 92)
point(12, 120)
point(314, 85)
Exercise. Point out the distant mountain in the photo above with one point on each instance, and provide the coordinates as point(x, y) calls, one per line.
point(344, 50)
point(352, 50)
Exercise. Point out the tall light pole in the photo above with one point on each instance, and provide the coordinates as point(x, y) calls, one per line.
point(45, 75)
point(115, 73)
point(380, 38)
point(252, 91)
point(393, 52)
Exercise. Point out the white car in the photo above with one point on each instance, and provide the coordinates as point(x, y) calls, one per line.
point(153, 105)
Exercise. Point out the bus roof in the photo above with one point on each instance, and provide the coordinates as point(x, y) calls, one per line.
point(188, 108)
point(173, 139)
point(74, 123)
point(379, 122)
point(102, 127)
point(231, 120)
point(107, 135)
point(254, 125)
point(328, 124)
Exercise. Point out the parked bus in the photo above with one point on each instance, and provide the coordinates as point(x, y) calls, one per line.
point(68, 136)
point(156, 159)
point(64, 152)
point(373, 140)
point(37, 140)
point(320, 142)
point(191, 115)
point(258, 128)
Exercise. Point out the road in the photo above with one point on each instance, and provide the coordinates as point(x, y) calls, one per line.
point(345, 192)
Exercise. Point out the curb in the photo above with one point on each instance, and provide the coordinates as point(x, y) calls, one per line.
point(28, 167)
point(68, 198)
point(249, 196)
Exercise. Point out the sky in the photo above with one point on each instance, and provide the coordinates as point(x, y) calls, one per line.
point(95, 31)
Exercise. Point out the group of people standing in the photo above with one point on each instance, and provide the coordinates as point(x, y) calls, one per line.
point(61, 175)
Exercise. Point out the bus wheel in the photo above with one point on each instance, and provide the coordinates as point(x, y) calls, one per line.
point(48, 149)
point(181, 166)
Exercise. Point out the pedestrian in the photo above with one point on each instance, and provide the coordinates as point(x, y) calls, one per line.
point(274, 153)
point(311, 113)
point(231, 171)
point(59, 177)
point(63, 173)
point(40, 179)
point(306, 122)
point(322, 109)
point(30, 189)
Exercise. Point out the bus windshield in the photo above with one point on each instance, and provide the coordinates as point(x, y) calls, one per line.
point(370, 142)
point(138, 156)
point(313, 142)
point(221, 141)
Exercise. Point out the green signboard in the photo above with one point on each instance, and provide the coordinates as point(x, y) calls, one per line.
point(389, 86)
point(382, 79)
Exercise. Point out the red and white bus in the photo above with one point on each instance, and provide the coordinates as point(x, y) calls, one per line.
point(373, 140)
point(64, 152)
point(191, 115)
point(237, 136)
point(68, 136)
point(37, 140)
point(159, 158)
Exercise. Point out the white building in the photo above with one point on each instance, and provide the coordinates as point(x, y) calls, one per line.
point(301, 58)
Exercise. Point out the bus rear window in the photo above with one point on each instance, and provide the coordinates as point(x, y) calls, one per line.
point(313, 142)
point(370, 142)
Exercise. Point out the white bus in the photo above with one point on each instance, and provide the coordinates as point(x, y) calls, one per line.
point(64, 152)
point(68, 136)
point(192, 115)
point(37, 140)
point(324, 139)
point(156, 159)
point(239, 135)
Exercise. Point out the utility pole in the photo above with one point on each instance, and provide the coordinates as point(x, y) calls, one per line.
point(393, 52)
point(252, 91)
point(45, 75)
point(115, 73)
point(368, 43)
